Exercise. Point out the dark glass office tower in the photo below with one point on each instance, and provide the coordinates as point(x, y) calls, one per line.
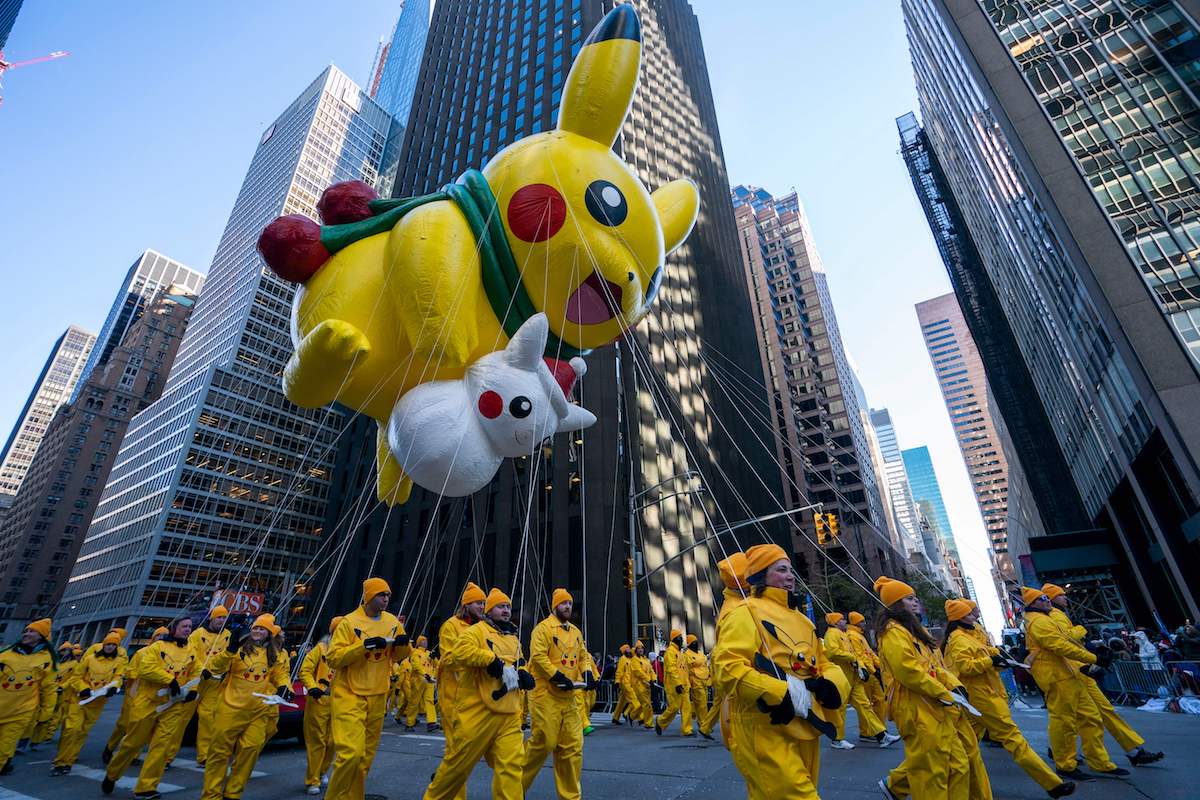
point(494, 72)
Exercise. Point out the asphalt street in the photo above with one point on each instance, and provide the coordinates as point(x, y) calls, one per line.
point(619, 762)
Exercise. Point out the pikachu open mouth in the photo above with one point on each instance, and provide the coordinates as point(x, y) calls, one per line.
point(596, 300)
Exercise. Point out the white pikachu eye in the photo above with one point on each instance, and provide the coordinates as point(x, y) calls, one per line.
point(520, 407)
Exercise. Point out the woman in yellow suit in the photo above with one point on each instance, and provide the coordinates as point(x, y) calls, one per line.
point(100, 672)
point(167, 666)
point(420, 687)
point(316, 676)
point(923, 702)
point(699, 679)
point(769, 659)
point(839, 650)
point(621, 681)
point(243, 721)
point(866, 655)
point(27, 691)
point(975, 663)
point(488, 707)
point(129, 689)
point(642, 677)
point(675, 685)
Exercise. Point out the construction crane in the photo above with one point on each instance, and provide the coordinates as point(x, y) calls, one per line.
point(5, 66)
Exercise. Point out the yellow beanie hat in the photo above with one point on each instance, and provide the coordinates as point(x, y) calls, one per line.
point(111, 638)
point(77, 649)
point(1053, 590)
point(333, 623)
point(265, 621)
point(559, 597)
point(675, 634)
point(218, 612)
point(471, 594)
point(1029, 595)
point(494, 598)
point(761, 556)
point(958, 608)
point(374, 586)
point(161, 630)
point(625, 648)
point(856, 618)
point(276, 630)
point(833, 617)
point(733, 571)
point(41, 626)
point(422, 641)
point(66, 646)
point(691, 637)
point(891, 590)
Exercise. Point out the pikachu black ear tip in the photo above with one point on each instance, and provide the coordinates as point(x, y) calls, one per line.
point(620, 23)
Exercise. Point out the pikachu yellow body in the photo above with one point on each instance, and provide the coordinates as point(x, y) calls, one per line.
point(383, 307)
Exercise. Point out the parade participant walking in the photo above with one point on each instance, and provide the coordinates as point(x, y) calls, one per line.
point(100, 673)
point(361, 652)
point(470, 611)
point(675, 685)
point(420, 687)
point(866, 655)
point(42, 731)
point(129, 689)
point(1130, 741)
point(488, 705)
point(623, 680)
point(642, 676)
point(27, 690)
point(586, 698)
point(1054, 658)
point(975, 663)
point(769, 661)
point(840, 651)
point(924, 702)
point(168, 664)
point(208, 640)
point(253, 666)
point(699, 680)
point(316, 676)
point(555, 652)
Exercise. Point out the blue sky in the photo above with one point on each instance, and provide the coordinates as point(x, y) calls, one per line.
point(140, 139)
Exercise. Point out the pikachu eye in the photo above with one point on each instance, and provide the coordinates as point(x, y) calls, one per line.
point(520, 407)
point(605, 203)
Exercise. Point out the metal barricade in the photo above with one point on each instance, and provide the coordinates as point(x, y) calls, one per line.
point(1135, 682)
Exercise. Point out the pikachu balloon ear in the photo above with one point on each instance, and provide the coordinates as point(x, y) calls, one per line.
point(677, 203)
point(603, 78)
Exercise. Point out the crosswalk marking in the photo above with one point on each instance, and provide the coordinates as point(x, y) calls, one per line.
point(124, 783)
point(190, 767)
point(8, 794)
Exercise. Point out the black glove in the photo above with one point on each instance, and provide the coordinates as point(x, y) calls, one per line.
point(780, 714)
point(190, 696)
point(679, 688)
point(589, 681)
point(85, 694)
point(525, 681)
point(825, 691)
point(316, 694)
point(58, 689)
point(235, 641)
point(375, 643)
point(961, 691)
point(323, 682)
point(205, 675)
point(1104, 657)
point(429, 679)
point(285, 692)
point(561, 681)
point(112, 690)
point(496, 668)
point(1094, 671)
point(401, 640)
point(173, 688)
point(999, 661)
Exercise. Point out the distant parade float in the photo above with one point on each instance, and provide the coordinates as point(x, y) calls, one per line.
point(458, 320)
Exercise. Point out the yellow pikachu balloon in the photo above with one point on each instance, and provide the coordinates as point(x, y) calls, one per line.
point(395, 293)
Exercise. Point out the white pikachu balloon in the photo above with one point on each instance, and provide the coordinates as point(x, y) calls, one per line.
point(451, 436)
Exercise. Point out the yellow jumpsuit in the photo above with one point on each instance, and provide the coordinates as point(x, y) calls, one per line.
point(360, 687)
point(642, 675)
point(94, 672)
point(731, 599)
point(491, 726)
point(207, 645)
point(27, 694)
point(131, 687)
point(779, 762)
point(584, 699)
point(43, 730)
point(699, 679)
point(242, 723)
point(971, 661)
point(318, 745)
point(1126, 736)
point(1054, 658)
point(675, 684)
point(397, 692)
point(420, 688)
point(163, 661)
point(936, 763)
point(866, 656)
point(626, 703)
point(839, 650)
point(555, 646)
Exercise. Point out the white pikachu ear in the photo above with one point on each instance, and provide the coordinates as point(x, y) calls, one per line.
point(524, 350)
point(577, 419)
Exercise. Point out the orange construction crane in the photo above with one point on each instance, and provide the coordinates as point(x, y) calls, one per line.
point(5, 66)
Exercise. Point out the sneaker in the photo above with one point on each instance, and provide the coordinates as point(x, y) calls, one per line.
point(106, 756)
point(60, 770)
point(7, 769)
point(707, 735)
point(1115, 772)
point(431, 727)
point(313, 790)
point(147, 796)
point(1062, 790)
point(1076, 774)
point(1142, 757)
point(588, 730)
point(657, 727)
point(887, 792)
point(107, 785)
point(887, 739)
point(842, 744)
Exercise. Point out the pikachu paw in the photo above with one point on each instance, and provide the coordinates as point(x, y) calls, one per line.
point(335, 341)
point(323, 362)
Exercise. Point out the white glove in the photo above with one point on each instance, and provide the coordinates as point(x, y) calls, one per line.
point(801, 697)
point(509, 678)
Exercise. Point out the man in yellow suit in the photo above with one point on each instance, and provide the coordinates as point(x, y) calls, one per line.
point(1129, 740)
point(129, 689)
point(488, 656)
point(857, 635)
point(675, 684)
point(420, 687)
point(556, 653)
point(27, 690)
point(622, 682)
point(100, 673)
point(209, 639)
point(699, 679)
point(361, 652)
point(643, 676)
point(470, 611)
point(316, 675)
point(839, 650)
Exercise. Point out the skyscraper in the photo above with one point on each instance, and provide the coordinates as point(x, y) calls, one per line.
point(52, 388)
point(42, 533)
point(222, 481)
point(150, 274)
point(399, 61)
point(896, 480)
point(821, 442)
point(662, 413)
point(927, 493)
point(1058, 131)
point(8, 16)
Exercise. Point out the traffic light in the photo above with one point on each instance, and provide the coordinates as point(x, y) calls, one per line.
point(819, 520)
point(627, 568)
point(831, 521)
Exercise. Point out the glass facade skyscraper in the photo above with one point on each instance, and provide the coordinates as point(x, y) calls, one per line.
point(923, 482)
point(1035, 115)
point(223, 482)
point(401, 63)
